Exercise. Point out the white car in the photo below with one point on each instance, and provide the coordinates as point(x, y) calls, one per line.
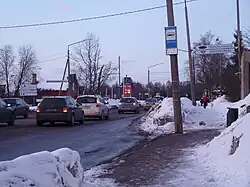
point(94, 106)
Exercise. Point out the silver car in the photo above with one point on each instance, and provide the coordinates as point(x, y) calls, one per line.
point(129, 104)
point(94, 106)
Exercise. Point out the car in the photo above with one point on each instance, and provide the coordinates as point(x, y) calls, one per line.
point(94, 106)
point(7, 114)
point(159, 98)
point(149, 102)
point(59, 109)
point(128, 104)
point(20, 107)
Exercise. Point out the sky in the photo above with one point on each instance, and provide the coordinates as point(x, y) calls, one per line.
point(137, 38)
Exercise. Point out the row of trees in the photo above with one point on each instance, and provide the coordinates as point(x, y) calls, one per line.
point(15, 71)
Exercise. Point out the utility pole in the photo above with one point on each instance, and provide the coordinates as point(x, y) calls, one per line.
point(175, 76)
point(191, 69)
point(239, 50)
point(119, 81)
point(69, 76)
point(148, 76)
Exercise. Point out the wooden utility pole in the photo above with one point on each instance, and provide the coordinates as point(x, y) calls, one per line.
point(175, 76)
point(191, 68)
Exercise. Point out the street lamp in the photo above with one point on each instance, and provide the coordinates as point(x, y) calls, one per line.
point(149, 70)
point(67, 66)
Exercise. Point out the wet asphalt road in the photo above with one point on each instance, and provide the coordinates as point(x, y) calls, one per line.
point(96, 141)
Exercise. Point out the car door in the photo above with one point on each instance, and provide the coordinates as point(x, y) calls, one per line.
point(104, 106)
point(4, 112)
point(73, 105)
point(18, 108)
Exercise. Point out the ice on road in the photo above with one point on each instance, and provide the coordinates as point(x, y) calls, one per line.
point(95, 143)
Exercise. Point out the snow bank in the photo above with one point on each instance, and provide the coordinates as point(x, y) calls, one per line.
point(227, 162)
point(159, 119)
point(59, 168)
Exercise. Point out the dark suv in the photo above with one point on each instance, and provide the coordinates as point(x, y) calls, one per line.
point(6, 114)
point(59, 109)
point(18, 105)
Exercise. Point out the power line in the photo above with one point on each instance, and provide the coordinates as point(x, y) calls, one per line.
point(49, 60)
point(89, 18)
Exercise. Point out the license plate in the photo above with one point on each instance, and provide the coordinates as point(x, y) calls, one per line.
point(51, 110)
point(86, 107)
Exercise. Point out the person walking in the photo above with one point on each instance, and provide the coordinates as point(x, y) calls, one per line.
point(205, 101)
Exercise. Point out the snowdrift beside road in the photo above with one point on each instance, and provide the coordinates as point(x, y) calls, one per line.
point(59, 168)
point(227, 156)
point(159, 120)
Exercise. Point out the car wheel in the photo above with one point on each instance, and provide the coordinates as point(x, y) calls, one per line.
point(26, 115)
point(72, 121)
point(82, 120)
point(107, 117)
point(12, 120)
point(101, 117)
point(39, 123)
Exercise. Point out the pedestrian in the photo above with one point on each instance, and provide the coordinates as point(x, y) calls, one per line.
point(201, 101)
point(205, 101)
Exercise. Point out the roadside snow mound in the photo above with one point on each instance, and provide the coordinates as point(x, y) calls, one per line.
point(226, 157)
point(60, 168)
point(159, 119)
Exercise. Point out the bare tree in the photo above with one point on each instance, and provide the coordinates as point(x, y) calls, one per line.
point(91, 73)
point(7, 66)
point(246, 37)
point(209, 67)
point(26, 65)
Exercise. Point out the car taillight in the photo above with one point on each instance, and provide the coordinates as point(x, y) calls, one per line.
point(65, 110)
point(97, 103)
point(38, 110)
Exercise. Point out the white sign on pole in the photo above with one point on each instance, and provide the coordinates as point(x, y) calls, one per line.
point(171, 40)
point(28, 90)
point(214, 49)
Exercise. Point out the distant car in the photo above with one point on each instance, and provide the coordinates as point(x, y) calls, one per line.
point(59, 109)
point(20, 107)
point(94, 106)
point(6, 114)
point(159, 98)
point(129, 104)
point(149, 102)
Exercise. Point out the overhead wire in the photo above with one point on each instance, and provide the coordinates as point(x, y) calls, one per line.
point(90, 18)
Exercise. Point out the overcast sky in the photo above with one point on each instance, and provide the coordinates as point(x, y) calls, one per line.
point(138, 38)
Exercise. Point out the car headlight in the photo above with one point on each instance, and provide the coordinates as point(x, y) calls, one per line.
point(134, 104)
point(119, 104)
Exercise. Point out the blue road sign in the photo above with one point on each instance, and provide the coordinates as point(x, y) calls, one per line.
point(171, 40)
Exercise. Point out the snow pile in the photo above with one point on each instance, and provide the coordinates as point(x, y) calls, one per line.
point(159, 119)
point(226, 157)
point(59, 168)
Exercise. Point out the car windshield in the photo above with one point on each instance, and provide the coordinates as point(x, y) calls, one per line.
point(10, 102)
point(127, 100)
point(82, 100)
point(52, 103)
point(153, 100)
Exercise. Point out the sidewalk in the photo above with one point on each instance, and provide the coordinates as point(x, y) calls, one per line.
point(158, 160)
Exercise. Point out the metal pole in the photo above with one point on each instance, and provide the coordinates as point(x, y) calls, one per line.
point(148, 76)
point(241, 65)
point(192, 84)
point(69, 76)
point(175, 76)
point(64, 73)
point(119, 79)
